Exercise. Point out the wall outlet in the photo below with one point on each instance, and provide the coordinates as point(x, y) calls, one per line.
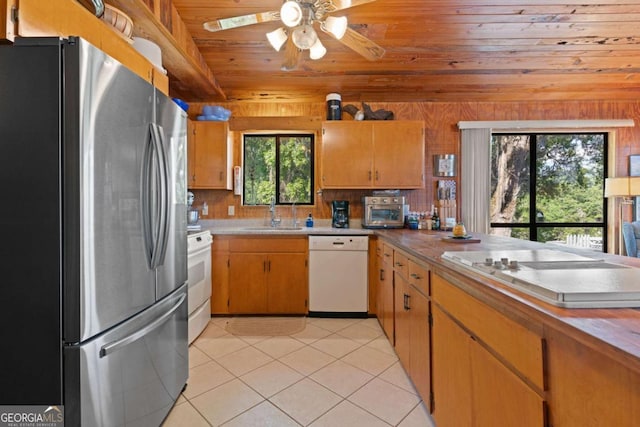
point(231, 210)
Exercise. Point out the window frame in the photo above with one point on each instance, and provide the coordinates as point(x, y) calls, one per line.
point(533, 226)
point(278, 136)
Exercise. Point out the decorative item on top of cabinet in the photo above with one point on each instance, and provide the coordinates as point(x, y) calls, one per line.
point(368, 154)
point(209, 155)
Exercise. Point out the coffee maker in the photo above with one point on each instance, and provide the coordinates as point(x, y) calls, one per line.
point(340, 214)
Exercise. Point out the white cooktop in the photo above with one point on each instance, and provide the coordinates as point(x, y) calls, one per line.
point(560, 278)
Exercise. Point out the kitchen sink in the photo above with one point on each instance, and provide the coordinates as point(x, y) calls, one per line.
point(267, 228)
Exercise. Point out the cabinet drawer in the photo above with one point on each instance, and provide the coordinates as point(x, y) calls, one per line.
point(517, 345)
point(387, 253)
point(419, 277)
point(401, 264)
point(269, 244)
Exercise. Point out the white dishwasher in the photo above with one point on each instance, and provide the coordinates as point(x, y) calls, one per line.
point(338, 279)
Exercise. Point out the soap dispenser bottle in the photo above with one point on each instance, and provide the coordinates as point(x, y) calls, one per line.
point(309, 222)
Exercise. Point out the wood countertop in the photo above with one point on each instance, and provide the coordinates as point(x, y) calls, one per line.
point(614, 332)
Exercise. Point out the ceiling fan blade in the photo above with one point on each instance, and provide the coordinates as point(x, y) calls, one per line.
point(345, 4)
point(241, 21)
point(359, 43)
point(291, 56)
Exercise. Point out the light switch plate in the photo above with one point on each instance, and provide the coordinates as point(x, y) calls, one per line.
point(231, 210)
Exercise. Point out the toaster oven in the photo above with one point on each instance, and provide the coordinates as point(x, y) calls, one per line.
point(382, 212)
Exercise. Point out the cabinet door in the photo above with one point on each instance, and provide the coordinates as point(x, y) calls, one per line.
point(402, 321)
point(191, 154)
point(500, 397)
point(247, 283)
point(420, 366)
point(346, 159)
point(398, 154)
point(287, 283)
point(211, 162)
point(7, 27)
point(219, 279)
point(387, 293)
point(65, 18)
point(380, 275)
point(451, 372)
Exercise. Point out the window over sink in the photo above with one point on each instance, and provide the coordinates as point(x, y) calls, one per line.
point(278, 167)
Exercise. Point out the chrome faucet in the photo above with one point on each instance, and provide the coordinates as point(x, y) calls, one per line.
point(294, 211)
point(272, 209)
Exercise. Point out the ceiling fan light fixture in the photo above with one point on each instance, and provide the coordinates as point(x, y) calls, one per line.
point(277, 38)
point(317, 51)
point(304, 37)
point(291, 13)
point(336, 25)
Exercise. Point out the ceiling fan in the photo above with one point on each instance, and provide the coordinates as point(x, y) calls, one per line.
point(298, 34)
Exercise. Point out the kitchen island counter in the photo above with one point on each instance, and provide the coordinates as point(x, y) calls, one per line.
point(614, 332)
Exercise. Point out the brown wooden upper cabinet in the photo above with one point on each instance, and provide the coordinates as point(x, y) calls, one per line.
point(209, 155)
point(372, 154)
point(64, 18)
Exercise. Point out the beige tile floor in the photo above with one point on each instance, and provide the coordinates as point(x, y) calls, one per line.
point(337, 372)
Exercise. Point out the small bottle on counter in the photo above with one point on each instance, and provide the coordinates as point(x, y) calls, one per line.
point(435, 220)
point(413, 221)
point(309, 222)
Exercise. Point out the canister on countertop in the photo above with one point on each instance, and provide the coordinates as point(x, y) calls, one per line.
point(334, 106)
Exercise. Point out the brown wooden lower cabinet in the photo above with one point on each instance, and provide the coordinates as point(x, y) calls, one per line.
point(473, 383)
point(412, 335)
point(268, 276)
point(492, 365)
point(384, 300)
point(405, 314)
point(587, 388)
point(451, 372)
point(220, 275)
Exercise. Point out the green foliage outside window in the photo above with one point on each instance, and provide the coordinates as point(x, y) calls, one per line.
point(280, 167)
point(561, 196)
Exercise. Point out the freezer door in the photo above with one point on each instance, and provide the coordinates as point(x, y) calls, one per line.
point(108, 111)
point(171, 122)
point(133, 374)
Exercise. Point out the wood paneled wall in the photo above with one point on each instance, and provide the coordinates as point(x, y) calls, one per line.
point(441, 137)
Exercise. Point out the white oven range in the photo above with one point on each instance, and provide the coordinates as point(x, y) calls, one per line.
point(199, 279)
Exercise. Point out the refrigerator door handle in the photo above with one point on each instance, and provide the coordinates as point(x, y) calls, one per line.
point(113, 346)
point(146, 187)
point(161, 191)
point(163, 236)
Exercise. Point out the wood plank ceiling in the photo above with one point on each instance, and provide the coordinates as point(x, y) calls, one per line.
point(454, 50)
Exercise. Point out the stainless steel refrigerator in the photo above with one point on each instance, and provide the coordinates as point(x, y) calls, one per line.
point(93, 236)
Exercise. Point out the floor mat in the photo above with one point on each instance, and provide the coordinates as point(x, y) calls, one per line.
point(266, 326)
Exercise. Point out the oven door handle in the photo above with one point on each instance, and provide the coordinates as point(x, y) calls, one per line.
point(199, 251)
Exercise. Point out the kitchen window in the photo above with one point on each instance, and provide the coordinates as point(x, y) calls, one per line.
point(548, 187)
point(278, 167)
